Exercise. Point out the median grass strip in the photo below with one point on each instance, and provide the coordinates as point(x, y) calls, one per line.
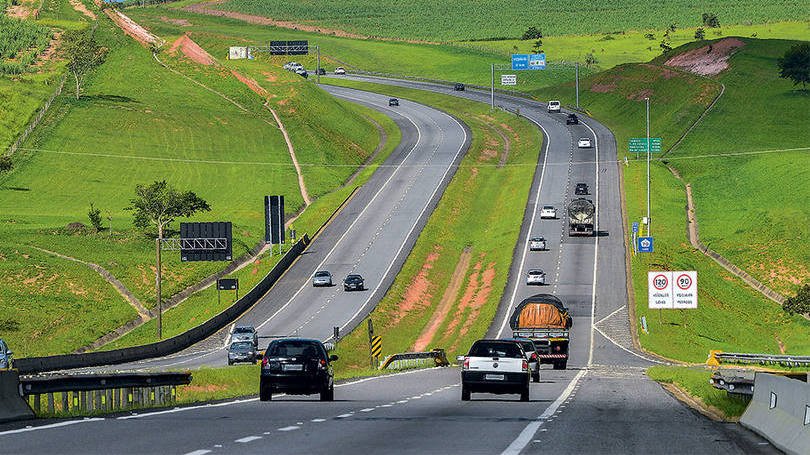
point(694, 381)
point(466, 228)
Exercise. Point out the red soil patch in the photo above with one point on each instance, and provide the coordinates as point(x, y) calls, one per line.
point(131, 28)
point(708, 60)
point(253, 85)
point(22, 11)
point(180, 22)
point(475, 297)
point(480, 299)
point(417, 295)
point(639, 96)
point(79, 6)
point(448, 298)
point(192, 50)
point(270, 76)
point(204, 8)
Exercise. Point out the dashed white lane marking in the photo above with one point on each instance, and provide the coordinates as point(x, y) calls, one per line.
point(318, 420)
point(343, 416)
point(386, 405)
point(247, 439)
point(367, 410)
point(199, 452)
point(289, 428)
point(54, 425)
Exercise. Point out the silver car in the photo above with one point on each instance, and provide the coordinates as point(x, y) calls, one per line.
point(241, 351)
point(548, 211)
point(5, 355)
point(537, 244)
point(322, 278)
point(245, 333)
point(536, 276)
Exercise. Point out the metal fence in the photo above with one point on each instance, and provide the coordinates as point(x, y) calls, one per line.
point(35, 121)
point(409, 360)
point(761, 359)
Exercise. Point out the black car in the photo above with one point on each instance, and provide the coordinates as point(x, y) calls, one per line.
point(581, 189)
point(353, 283)
point(572, 119)
point(321, 71)
point(297, 366)
point(241, 351)
point(459, 87)
point(393, 102)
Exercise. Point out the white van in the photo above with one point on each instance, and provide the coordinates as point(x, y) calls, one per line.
point(554, 106)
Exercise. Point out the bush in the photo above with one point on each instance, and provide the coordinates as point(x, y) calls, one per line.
point(95, 217)
point(710, 20)
point(800, 303)
point(649, 36)
point(532, 33)
point(700, 33)
point(5, 163)
point(590, 59)
point(665, 46)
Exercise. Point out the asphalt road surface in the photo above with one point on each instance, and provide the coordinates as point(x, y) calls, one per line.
point(603, 403)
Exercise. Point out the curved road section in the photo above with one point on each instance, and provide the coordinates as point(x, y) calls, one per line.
point(371, 236)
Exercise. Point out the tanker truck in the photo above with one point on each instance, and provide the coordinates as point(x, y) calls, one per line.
point(545, 320)
point(580, 217)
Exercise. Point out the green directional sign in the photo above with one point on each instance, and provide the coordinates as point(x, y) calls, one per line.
point(639, 144)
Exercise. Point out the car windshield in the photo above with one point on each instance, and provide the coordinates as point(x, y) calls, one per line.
point(537, 239)
point(322, 274)
point(353, 277)
point(496, 349)
point(243, 330)
point(242, 346)
point(584, 139)
point(535, 272)
point(295, 348)
point(548, 207)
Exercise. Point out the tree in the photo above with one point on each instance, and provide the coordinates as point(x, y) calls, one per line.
point(800, 303)
point(158, 204)
point(590, 59)
point(649, 36)
point(94, 215)
point(700, 33)
point(711, 20)
point(672, 27)
point(83, 53)
point(5, 163)
point(665, 46)
point(795, 65)
point(537, 46)
point(532, 33)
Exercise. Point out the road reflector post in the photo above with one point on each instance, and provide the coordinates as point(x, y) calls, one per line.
point(376, 349)
point(712, 360)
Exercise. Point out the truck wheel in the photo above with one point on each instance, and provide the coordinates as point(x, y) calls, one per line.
point(465, 393)
point(536, 376)
point(524, 395)
point(560, 365)
point(265, 393)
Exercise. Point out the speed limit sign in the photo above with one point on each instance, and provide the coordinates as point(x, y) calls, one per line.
point(672, 290)
point(660, 290)
point(684, 293)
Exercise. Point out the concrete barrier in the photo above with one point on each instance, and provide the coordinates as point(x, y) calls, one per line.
point(780, 412)
point(12, 405)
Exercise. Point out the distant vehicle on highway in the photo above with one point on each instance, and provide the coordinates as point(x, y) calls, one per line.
point(537, 244)
point(241, 351)
point(297, 366)
point(545, 320)
point(572, 119)
point(245, 333)
point(554, 106)
point(581, 189)
point(548, 211)
point(292, 66)
point(340, 70)
point(393, 102)
point(5, 355)
point(581, 217)
point(536, 277)
point(584, 143)
point(495, 366)
point(320, 71)
point(459, 87)
point(322, 278)
point(531, 356)
point(302, 72)
point(353, 282)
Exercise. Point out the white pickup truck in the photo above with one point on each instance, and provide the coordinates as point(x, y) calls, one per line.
point(495, 366)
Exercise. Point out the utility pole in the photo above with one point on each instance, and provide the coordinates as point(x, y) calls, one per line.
point(318, 69)
point(577, 77)
point(157, 288)
point(492, 89)
point(649, 221)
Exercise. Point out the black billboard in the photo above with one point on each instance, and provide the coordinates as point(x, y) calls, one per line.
point(205, 241)
point(274, 219)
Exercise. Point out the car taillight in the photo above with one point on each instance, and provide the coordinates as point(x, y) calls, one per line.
point(534, 356)
point(322, 364)
point(264, 362)
point(466, 363)
point(525, 365)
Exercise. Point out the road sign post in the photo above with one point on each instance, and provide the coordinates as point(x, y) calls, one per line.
point(672, 290)
point(370, 338)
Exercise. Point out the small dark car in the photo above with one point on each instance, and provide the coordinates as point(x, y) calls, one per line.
point(393, 102)
point(572, 119)
point(321, 71)
point(297, 366)
point(581, 189)
point(241, 351)
point(353, 283)
point(459, 87)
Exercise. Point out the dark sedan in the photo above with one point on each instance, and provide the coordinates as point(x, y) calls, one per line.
point(297, 366)
point(353, 282)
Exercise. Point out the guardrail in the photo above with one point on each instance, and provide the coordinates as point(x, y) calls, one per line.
point(718, 357)
point(100, 392)
point(408, 360)
point(170, 345)
point(737, 383)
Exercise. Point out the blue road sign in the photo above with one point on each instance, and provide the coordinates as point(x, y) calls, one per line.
point(645, 244)
point(520, 61)
point(537, 61)
point(635, 228)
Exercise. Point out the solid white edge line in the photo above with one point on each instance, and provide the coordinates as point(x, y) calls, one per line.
point(530, 230)
point(337, 243)
point(199, 452)
point(50, 426)
point(595, 243)
point(527, 434)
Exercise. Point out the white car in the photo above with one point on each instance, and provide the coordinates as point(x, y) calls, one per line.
point(537, 244)
point(536, 276)
point(322, 278)
point(554, 106)
point(495, 366)
point(584, 143)
point(548, 211)
point(340, 70)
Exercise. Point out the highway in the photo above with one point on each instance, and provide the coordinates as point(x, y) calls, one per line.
point(603, 403)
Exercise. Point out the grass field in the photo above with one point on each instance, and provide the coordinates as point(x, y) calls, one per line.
point(695, 382)
point(470, 19)
point(145, 124)
point(467, 237)
point(731, 317)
